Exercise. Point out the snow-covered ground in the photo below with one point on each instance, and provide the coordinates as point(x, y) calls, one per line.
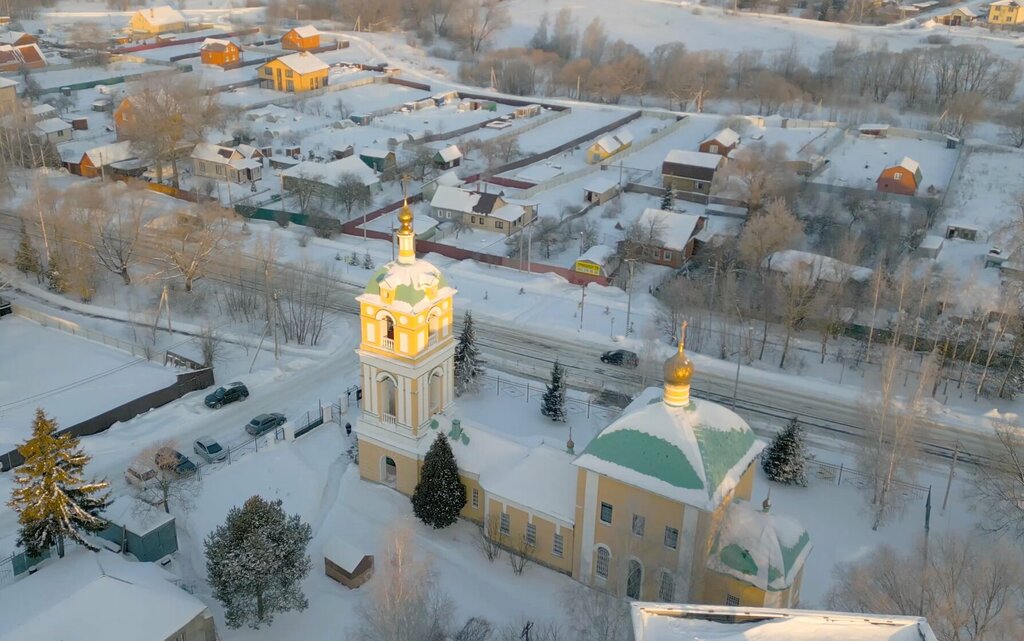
point(858, 161)
point(70, 377)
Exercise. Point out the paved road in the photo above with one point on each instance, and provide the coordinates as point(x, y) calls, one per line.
point(531, 353)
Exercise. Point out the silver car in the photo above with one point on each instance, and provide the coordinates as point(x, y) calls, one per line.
point(209, 449)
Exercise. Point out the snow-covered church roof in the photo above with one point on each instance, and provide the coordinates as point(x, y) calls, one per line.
point(694, 454)
point(406, 287)
point(765, 550)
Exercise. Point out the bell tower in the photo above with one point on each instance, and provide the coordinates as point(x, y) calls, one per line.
point(406, 349)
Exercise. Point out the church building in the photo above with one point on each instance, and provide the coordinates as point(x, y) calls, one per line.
point(656, 507)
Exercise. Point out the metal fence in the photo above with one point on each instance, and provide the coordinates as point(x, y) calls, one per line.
point(70, 327)
point(534, 392)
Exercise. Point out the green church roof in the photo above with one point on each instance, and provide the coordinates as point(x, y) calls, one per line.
point(648, 455)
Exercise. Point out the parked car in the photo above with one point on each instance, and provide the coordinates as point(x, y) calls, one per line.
point(227, 394)
point(172, 460)
point(622, 357)
point(264, 423)
point(209, 449)
point(139, 475)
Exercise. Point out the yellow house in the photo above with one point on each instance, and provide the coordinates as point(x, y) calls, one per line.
point(653, 508)
point(608, 146)
point(1005, 13)
point(294, 73)
point(156, 20)
point(8, 95)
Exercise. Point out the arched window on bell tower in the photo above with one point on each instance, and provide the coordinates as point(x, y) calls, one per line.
point(434, 326)
point(436, 389)
point(387, 330)
point(387, 389)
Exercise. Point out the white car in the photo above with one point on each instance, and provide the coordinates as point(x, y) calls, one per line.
point(139, 475)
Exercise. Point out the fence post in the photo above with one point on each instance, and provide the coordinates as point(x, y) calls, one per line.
point(840, 474)
point(588, 408)
point(527, 391)
point(497, 386)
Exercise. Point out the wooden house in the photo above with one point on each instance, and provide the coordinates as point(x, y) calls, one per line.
point(346, 564)
point(52, 130)
point(8, 95)
point(156, 20)
point(600, 190)
point(481, 210)
point(301, 39)
point(378, 159)
point(608, 146)
point(957, 17)
point(677, 236)
point(17, 57)
point(222, 53)
point(241, 164)
point(448, 158)
point(721, 142)
point(903, 178)
point(527, 111)
point(17, 38)
point(92, 162)
point(690, 174)
point(1005, 13)
point(294, 73)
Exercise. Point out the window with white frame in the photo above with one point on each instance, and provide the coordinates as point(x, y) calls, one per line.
point(505, 527)
point(638, 524)
point(604, 561)
point(476, 497)
point(558, 546)
point(667, 589)
point(531, 534)
point(606, 513)
point(671, 537)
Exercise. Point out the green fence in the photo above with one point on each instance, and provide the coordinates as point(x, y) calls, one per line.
point(282, 217)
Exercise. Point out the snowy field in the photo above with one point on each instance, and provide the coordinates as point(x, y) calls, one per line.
point(56, 78)
point(70, 377)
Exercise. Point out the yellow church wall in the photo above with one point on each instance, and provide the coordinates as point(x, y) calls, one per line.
point(543, 552)
point(407, 471)
point(475, 514)
point(745, 488)
point(412, 332)
point(649, 549)
point(719, 587)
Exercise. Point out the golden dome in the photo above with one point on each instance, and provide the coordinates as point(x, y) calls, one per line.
point(679, 368)
point(405, 218)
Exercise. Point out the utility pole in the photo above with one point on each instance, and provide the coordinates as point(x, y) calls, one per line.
point(952, 470)
point(583, 299)
point(629, 293)
point(924, 560)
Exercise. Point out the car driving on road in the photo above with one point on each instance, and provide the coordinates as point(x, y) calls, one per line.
point(264, 423)
point(209, 449)
point(622, 357)
point(227, 394)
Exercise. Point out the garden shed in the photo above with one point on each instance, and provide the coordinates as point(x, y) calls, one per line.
point(347, 564)
point(147, 532)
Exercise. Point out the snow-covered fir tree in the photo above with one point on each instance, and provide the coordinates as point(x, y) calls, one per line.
point(27, 258)
point(440, 495)
point(468, 367)
point(53, 500)
point(553, 404)
point(667, 200)
point(785, 459)
point(256, 562)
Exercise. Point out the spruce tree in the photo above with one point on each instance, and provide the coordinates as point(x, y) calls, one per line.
point(27, 258)
point(553, 403)
point(785, 459)
point(53, 500)
point(440, 494)
point(468, 368)
point(256, 562)
point(56, 276)
point(666, 200)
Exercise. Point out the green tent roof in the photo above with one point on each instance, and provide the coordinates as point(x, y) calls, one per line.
point(648, 455)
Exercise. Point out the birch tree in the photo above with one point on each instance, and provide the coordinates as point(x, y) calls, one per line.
point(999, 484)
point(892, 430)
point(188, 248)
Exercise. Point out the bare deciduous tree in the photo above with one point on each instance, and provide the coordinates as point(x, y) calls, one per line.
point(490, 538)
point(477, 21)
point(169, 482)
point(971, 590)
point(351, 192)
point(999, 483)
point(187, 248)
point(116, 228)
point(406, 603)
point(595, 615)
point(302, 303)
point(893, 425)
